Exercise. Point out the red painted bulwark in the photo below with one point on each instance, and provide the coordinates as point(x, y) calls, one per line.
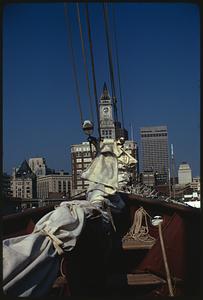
point(175, 245)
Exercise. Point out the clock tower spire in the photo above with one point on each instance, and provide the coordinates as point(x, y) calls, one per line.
point(105, 95)
point(107, 127)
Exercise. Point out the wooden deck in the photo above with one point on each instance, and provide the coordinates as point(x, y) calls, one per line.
point(144, 279)
point(137, 245)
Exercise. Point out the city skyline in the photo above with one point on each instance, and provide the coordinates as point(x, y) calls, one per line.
point(160, 75)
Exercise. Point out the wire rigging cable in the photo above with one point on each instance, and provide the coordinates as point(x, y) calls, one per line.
point(105, 12)
point(118, 65)
point(68, 24)
point(92, 67)
point(85, 62)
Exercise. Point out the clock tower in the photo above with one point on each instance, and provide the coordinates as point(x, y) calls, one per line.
point(107, 127)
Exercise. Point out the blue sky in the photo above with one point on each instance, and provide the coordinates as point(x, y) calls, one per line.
point(159, 53)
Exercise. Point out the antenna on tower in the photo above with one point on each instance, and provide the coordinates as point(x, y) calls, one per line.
point(173, 170)
point(171, 150)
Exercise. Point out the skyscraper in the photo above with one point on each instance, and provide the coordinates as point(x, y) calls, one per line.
point(154, 149)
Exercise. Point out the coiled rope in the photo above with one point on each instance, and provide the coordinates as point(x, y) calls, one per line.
point(139, 229)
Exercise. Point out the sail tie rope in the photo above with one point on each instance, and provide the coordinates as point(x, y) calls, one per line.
point(138, 230)
point(56, 242)
point(108, 210)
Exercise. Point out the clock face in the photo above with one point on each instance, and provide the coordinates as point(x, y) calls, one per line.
point(105, 110)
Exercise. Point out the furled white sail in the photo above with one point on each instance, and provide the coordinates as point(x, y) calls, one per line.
point(31, 262)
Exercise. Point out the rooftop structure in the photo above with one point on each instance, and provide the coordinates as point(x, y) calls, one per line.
point(38, 165)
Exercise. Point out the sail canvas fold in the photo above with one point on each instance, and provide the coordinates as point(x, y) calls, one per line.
point(31, 262)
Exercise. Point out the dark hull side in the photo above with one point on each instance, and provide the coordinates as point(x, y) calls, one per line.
point(99, 264)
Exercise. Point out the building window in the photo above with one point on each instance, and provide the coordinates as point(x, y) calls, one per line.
point(69, 186)
point(59, 186)
point(87, 159)
point(64, 186)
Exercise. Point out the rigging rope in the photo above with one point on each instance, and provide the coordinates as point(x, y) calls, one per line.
point(105, 12)
point(118, 66)
point(85, 62)
point(68, 24)
point(93, 69)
